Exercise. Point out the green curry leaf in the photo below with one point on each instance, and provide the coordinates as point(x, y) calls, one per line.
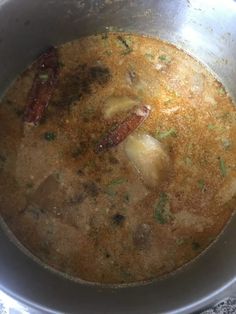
point(161, 212)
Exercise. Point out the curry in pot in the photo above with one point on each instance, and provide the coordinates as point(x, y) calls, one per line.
point(117, 158)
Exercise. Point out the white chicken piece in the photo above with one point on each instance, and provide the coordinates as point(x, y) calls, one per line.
point(148, 157)
point(116, 104)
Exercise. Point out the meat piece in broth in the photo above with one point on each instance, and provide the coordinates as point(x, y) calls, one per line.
point(148, 157)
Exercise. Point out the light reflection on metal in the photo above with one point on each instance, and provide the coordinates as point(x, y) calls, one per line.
point(8, 305)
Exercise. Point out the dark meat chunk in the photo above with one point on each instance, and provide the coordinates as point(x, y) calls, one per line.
point(79, 83)
point(118, 219)
point(100, 74)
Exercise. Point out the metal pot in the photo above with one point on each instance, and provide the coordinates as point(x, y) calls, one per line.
point(205, 29)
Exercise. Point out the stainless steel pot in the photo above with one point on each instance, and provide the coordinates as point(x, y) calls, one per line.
point(206, 29)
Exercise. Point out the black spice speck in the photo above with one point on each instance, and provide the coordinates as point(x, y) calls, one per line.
point(49, 136)
point(118, 219)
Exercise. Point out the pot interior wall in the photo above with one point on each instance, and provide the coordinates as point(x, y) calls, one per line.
point(205, 29)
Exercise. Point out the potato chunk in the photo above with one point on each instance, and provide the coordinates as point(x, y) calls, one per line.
point(148, 157)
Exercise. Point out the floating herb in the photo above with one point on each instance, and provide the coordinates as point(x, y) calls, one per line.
point(108, 53)
point(215, 127)
point(117, 181)
point(125, 43)
point(190, 146)
point(44, 77)
point(161, 213)
point(180, 241)
point(109, 191)
point(50, 136)
point(88, 112)
point(149, 56)
point(165, 58)
point(188, 161)
point(112, 184)
point(223, 168)
point(201, 184)
point(221, 91)
point(163, 134)
point(211, 127)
